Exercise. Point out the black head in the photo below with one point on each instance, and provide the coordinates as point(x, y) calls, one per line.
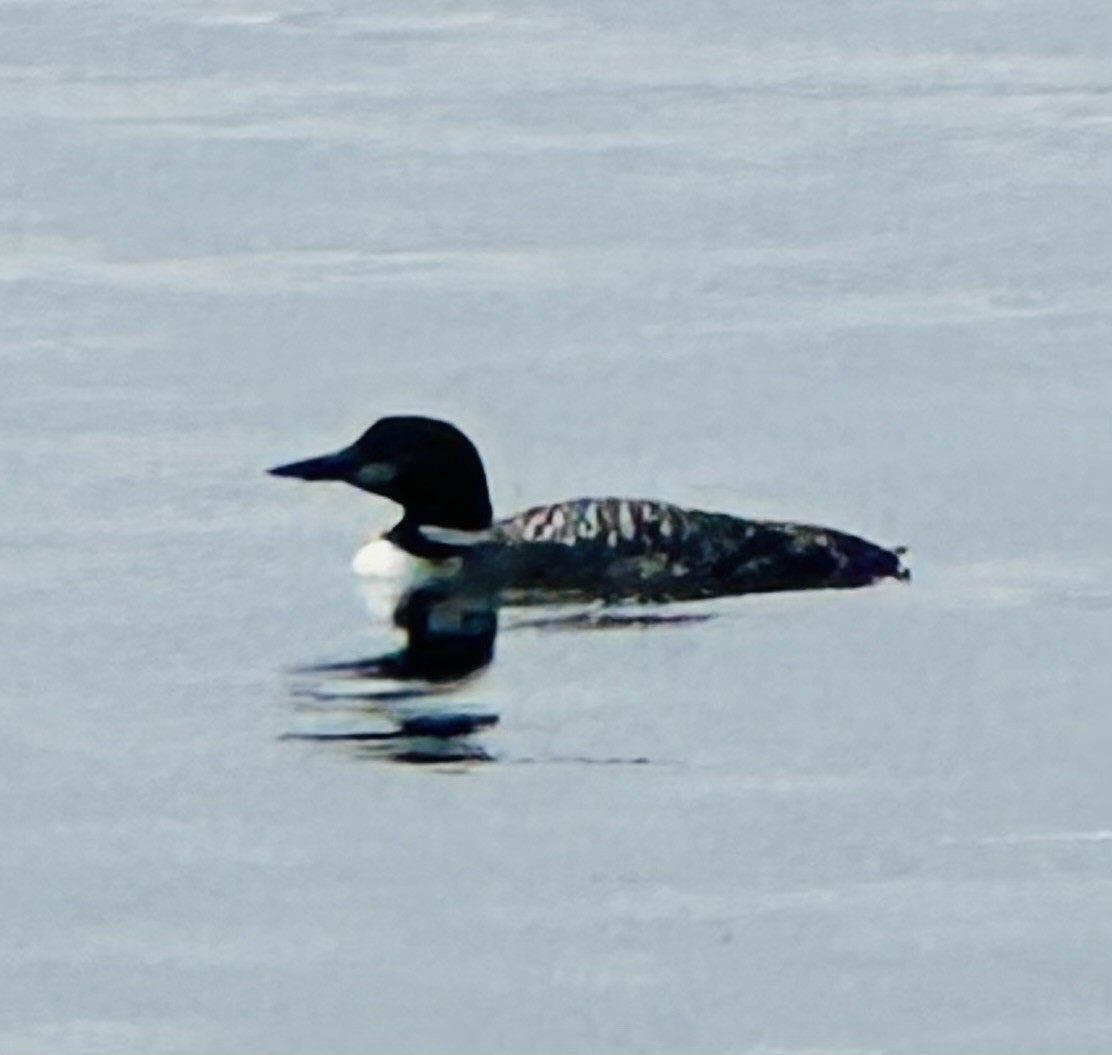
point(428, 467)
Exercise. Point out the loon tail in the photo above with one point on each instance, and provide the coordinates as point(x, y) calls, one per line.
point(863, 562)
point(902, 572)
point(785, 556)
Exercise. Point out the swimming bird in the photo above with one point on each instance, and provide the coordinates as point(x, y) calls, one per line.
point(609, 550)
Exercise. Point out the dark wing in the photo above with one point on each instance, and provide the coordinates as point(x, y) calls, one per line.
point(633, 550)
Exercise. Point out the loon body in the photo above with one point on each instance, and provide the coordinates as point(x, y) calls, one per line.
point(612, 550)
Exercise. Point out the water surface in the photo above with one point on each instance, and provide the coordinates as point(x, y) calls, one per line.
point(840, 263)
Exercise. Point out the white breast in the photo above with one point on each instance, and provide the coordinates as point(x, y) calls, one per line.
point(386, 573)
point(381, 559)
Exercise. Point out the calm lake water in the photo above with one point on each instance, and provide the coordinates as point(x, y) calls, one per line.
point(848, 263)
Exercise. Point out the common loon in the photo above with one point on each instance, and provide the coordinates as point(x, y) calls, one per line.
point(613, 550)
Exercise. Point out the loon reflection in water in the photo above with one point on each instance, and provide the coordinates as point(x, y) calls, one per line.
point(419, 738)
point(449, 639)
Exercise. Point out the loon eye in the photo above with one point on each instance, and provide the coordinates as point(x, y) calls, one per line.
point(375, 473)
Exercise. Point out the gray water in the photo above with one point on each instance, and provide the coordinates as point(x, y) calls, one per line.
point(839, 262)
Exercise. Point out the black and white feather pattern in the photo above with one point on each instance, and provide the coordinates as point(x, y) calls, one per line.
point(621, 524)
point(620, 550)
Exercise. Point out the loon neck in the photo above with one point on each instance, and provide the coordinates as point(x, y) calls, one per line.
point(410, 534)
point(458, 504)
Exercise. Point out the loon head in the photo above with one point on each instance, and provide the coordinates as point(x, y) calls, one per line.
point(428, 467)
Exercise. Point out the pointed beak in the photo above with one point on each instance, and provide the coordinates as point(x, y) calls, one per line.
point(343, 465)
point(346, 465)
